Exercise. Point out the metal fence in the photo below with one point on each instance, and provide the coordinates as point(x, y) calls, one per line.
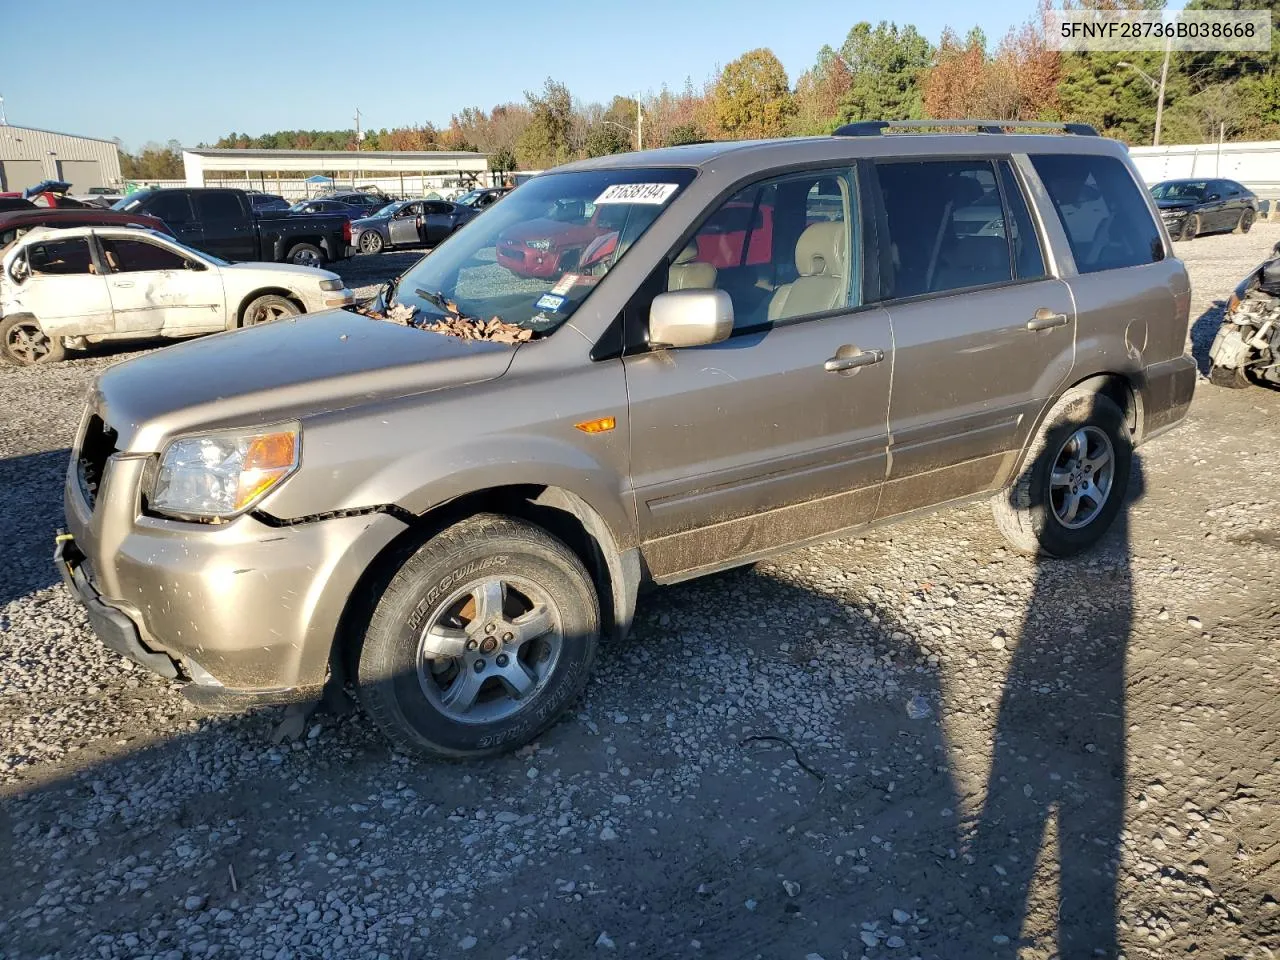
point(1256, 164)
point(443, 187)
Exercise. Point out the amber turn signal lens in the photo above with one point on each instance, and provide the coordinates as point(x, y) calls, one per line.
point(268, 458)
point(599, 425)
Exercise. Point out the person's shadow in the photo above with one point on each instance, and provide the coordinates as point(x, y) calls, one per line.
point(1060, 756)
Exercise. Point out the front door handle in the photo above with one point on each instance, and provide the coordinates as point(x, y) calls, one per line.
point(121, 284)
point(850, 361)
point(1044, 320)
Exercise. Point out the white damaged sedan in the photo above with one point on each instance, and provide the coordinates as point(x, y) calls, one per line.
point(69, 288)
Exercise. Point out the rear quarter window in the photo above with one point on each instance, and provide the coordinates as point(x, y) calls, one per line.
point(1103, 212)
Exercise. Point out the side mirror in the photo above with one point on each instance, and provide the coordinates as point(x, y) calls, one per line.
point(690, 318)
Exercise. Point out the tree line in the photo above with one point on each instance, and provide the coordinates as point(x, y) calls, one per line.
point(879, 71)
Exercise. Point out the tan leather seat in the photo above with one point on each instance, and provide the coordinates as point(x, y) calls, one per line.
point(686, 273)
point(821, 258)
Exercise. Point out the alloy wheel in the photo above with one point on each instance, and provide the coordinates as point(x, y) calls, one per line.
point(27, 343)
point(1081, 478)
point(488, 649)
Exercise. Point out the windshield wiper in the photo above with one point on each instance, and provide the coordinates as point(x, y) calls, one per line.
point(437, 300)
point(389, 290)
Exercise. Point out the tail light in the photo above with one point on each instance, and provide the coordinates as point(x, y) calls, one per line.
point(346, 231)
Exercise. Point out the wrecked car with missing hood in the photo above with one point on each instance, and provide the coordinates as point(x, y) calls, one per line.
point(449, 503)
point(1247, 346)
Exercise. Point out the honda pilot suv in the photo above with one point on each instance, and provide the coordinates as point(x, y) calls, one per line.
point(783, 341)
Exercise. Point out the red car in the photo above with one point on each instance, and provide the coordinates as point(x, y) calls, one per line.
point(551, 245)
point(48, 193)
point(554, 244)
point(17, 222)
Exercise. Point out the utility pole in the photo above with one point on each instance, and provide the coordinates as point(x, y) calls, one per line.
point(359, 135)
point(3, 121)
point(639, 125)
point(1164, 76)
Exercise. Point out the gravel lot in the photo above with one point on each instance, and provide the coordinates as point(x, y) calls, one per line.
point(1096, 774)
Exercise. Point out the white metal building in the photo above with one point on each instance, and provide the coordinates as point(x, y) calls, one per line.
point(403, 172)
point(28, 155)
point(1255, 164)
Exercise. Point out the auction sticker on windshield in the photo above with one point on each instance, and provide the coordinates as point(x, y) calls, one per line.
point(550, 301)
point(565, 284)
point(655, 193)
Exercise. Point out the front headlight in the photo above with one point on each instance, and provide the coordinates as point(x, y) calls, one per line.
point(334, 284)
point(220, 475)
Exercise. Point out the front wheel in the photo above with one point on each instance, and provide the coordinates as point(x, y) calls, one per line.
point(1191, 229)
point(371, 242)
point(23, 342)
point(267, 308)
point(481, 640)
point(1073, 481)
point(306, 255)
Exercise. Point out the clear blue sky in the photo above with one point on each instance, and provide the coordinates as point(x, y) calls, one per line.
point(149, 70)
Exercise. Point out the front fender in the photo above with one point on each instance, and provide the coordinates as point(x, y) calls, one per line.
point(419, 452)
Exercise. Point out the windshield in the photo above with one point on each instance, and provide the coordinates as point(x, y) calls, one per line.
point(467, 199)
point(1180, 190)
point(534, 258)
point(388, 209)
point(132, 201)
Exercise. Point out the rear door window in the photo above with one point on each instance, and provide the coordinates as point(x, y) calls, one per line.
point(1103, 212)
point(219, 206)
point(946, 227)
point(1028, 260)
point(61, 258)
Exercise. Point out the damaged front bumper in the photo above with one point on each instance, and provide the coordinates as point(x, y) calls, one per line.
point(244, 613)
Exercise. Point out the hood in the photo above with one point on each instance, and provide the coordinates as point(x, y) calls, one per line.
point(302, 274)
point(364, 223)
point(1178, 203)
point(285, 370)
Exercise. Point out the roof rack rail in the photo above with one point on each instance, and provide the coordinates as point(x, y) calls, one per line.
point(873, 128)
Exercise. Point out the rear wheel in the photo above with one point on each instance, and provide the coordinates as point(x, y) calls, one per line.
point(266, 308)
point(371, 242)
point(306, 255)
point(481, 640)
point(1246, 222)
point(23, 342)
point(1073, 482)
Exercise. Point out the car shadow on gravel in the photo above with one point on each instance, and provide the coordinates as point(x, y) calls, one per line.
point(1203, 330)
point(1059, 770)
point(33, 490)
point(762, 768)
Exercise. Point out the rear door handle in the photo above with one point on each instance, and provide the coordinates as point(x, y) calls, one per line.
point(1043, 320)
point(852, 361)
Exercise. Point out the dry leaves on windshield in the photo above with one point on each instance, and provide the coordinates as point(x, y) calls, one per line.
point(470, 328)
point(453, 323)
point(401, 313)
